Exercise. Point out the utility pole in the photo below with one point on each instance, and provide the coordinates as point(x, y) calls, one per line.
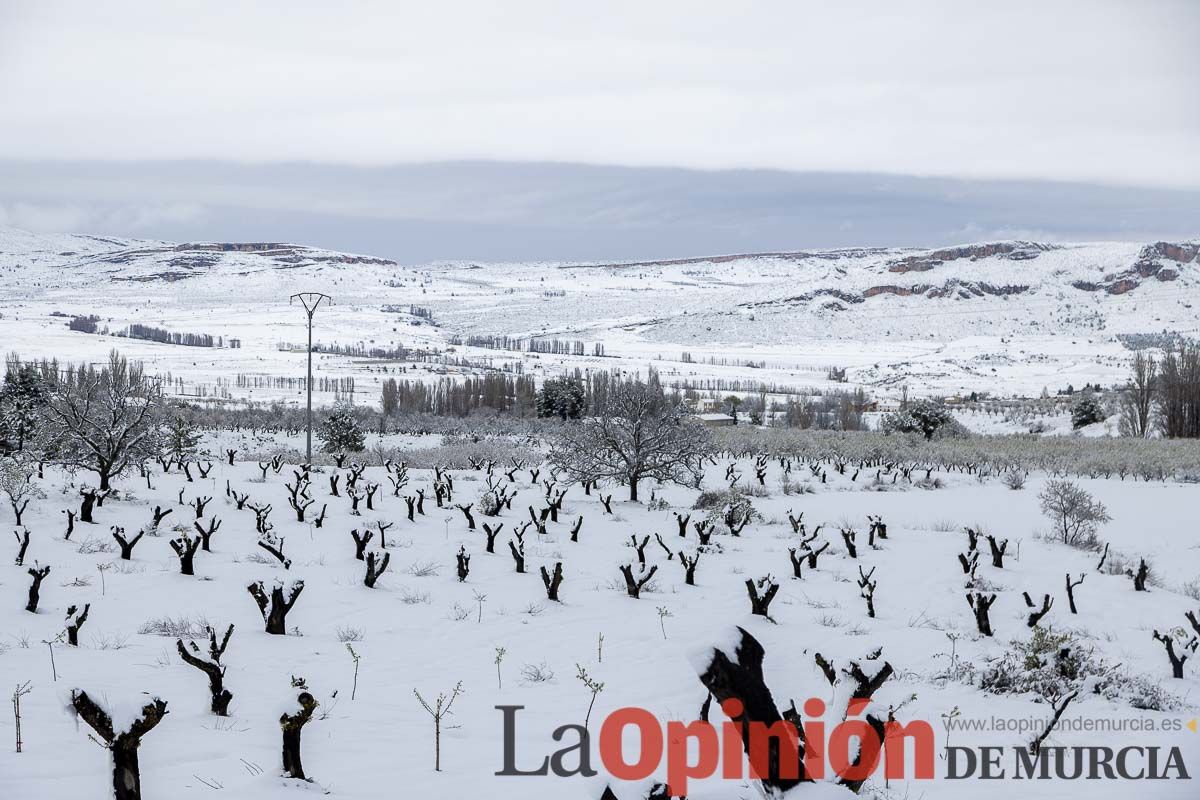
point(310, 301)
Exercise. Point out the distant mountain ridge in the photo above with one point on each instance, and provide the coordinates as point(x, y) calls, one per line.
point(1015, 315)
point(1021, 287)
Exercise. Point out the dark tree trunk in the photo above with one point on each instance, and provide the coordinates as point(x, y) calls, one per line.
point(220, 696)
point(126, 777)
point(74, 623)
point(274, 608)
point(689, 567)
point(760, 605)
point(86, 506)
point(997, 551)
point(1139, 578)
point(743, 681)
point(360, 543)
point(518, 555)
point(980, 605)
point(126, 545)
point(553, 581)
point(35, 588)
point(292, 725)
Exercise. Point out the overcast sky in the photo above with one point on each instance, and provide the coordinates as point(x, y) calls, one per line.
point(1093, 93)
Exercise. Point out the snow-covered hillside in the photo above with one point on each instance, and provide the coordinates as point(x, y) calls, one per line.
point(1008, 317)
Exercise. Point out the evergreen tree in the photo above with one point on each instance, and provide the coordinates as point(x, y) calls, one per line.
point(1086, 411)
point(340, 432)
point(391, 397)
point(561, 397)
point(22, 402)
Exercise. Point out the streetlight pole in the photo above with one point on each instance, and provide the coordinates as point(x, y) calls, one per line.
point(310, 301)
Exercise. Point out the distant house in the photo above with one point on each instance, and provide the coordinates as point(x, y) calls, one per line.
point(716, 420)
point(709, 405)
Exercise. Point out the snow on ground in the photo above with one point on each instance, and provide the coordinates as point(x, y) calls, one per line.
point(944, 325)
point(422, 629)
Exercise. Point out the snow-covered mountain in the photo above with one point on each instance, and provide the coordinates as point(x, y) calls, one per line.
point(1006, 316)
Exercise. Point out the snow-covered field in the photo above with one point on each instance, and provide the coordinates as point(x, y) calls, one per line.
point(1007, 318)
point(422, 629)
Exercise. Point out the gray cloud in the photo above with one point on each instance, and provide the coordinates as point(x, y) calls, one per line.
point(514, 211)
point(1081, 90)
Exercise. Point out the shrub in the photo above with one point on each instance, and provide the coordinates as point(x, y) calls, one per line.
point(1052, 664)
point(175, 627)
point(1014, 479)
point(1049, 664)
point(1075, 514)
point(1086, 411)
point(726, 507)
point(488, 504)
point(537, 673)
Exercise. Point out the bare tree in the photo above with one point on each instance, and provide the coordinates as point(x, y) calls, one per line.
point(463, 565)
point(736, 673)
point(1036, 614)
point(636, 434)
point(126, 545)
point(998, 550)
point(760, 604)
point(375, 568)
point(981, 604)
point(275, 606)
point(1178, 384)
point(491, 534)
point(1177, 659)
point(633, 587)
point(552, 581)
point(439, 710)
point(122, 744)
point(517, 548)
point(1140, 576)
point(1075, 514)
point(866, 588)
point(38, 573)
point(75, 622)
point(1071, 590)
point(293, 724)
point(689, 567)
point(1138, 397)
point(16, 481)
point(211, 666)
point(21, 690)
point(1059, 705)
point(22, 546)
point(186, 548)
point(206, 534)
point(105, 420)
